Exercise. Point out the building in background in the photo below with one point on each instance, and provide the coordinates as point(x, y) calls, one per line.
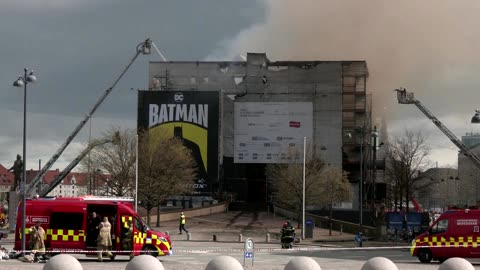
point(73, 185)
point(267, 107)
point(6, 182)
point(441, 190)
point(468, 173)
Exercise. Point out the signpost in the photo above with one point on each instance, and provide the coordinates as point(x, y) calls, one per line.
point(249, 252)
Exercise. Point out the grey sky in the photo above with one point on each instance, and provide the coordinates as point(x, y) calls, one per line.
point(78, 47)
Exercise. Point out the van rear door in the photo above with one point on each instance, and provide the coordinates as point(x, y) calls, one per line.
point(67, 230)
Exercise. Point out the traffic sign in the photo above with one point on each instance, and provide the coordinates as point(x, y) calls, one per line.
point(249, 249)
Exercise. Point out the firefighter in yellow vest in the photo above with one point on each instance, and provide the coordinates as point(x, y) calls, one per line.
point(182, 224)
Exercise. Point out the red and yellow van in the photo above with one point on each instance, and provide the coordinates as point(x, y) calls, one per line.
point(66, 223)
point(456, 233)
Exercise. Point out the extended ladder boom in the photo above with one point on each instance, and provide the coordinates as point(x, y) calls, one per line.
point(69, 168)
point(405, 97)
point(145, 48)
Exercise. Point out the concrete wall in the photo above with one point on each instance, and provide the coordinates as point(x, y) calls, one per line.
point(192, 212)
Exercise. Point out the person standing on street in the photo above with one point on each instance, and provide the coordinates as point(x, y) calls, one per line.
point(127, 235)
point(94, 221)
point(104, 241)
point(37, 244)
point(182, 223)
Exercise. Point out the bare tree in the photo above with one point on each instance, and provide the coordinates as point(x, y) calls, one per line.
point(407, 157)
point(336, 188)
point(166, 168)
point(324, 184)
point(112, 167)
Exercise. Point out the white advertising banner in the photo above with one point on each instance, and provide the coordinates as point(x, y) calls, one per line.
point(271, 132)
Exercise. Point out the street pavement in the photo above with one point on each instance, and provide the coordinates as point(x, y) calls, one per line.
point(336, 251)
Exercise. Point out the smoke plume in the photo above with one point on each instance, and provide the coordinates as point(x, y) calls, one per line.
point(428, 45)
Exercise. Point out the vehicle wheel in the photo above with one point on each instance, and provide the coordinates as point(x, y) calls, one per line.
point(425, 255)
point(149, 250)
point(441, 260)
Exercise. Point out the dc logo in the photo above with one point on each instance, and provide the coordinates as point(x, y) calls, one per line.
point(178, 97)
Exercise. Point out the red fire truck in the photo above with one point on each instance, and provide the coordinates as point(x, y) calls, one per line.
point(455, 233)
point(66, 223)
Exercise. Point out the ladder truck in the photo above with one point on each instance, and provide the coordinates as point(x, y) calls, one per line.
point(142, 48)
point(405, 97)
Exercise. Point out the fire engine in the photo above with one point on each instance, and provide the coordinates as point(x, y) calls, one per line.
point(454, 234)
point(66, 223)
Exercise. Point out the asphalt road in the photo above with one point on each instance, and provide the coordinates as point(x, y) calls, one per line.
point(196, 254)
point(191, 255)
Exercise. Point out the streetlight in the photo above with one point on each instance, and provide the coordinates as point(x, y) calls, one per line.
point(23, 81)
point(476, 117)
point(363, 132)
point(375, 147)
point(303, 187)
point(136, 172)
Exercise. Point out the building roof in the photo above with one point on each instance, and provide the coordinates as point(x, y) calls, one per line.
point(6, 177)
point(80, 179)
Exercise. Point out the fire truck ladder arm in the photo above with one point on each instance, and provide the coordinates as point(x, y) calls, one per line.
point(405, 97)
point(144, 48)
point(66, 171)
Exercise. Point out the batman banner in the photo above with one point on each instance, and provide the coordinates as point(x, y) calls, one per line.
point(191, 116)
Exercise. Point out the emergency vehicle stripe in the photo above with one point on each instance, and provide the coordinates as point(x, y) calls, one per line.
point(461, 241)
point(141, 238)
point(125, 219)
point(65, 235)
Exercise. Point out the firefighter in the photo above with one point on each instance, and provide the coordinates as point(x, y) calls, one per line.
point(127, 241)
point(104, 240)
point(93, 228)
point(182, 224)
point(287, 235)
point(37, 237)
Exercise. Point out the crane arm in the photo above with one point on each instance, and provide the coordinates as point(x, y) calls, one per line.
point(66, 171)
point(144, 48)
point(405, 97)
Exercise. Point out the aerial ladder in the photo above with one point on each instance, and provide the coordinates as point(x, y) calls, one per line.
point(405, 97)
point(115, 139)
point(142, 48)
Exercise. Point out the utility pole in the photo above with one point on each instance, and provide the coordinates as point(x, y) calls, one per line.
point(374, 171)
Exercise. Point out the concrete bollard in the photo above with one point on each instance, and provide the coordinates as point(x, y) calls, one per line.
point(267, 238)
point(214, 238)
point(223, 263)
point(62, 262)
point(144, 262)
point(189, 236)
point(379, 263)
point(302, 263)
point(240, 238)
point(456, 263)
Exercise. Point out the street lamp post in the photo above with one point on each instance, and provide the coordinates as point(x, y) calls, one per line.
point(363, 132)
point(361, 181)
point(136, 172)
point(303, 187)
point(23, 81)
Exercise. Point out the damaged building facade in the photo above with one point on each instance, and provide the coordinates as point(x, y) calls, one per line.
point(257, 99)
